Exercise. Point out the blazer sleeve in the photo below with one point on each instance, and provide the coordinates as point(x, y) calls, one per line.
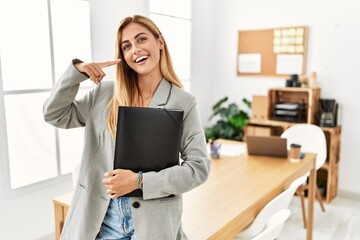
point(61, 109)
point(195, 167)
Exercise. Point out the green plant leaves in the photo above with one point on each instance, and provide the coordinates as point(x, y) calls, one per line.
point(238, 121)
point(219, 103)
point(246, 102)
point(231, 123)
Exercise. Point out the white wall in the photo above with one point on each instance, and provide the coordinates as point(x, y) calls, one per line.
point(30, 214)
point(105, 17)
point(333, 52)
point(202, 55)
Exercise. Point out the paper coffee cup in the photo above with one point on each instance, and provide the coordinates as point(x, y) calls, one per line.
point(295, 151)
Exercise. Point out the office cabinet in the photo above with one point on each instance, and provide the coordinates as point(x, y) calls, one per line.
point(331, 166)
point(258, 131)
point(293, 104)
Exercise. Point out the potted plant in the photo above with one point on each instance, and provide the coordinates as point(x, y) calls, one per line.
point(231, 120)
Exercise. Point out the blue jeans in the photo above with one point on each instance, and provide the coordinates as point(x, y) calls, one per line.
point(118, 223)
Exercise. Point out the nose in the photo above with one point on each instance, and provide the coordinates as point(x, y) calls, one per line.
point(136, 50)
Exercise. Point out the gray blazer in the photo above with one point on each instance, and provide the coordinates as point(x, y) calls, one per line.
point(155, 216)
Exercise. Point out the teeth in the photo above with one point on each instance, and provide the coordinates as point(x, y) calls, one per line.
point(140, 58)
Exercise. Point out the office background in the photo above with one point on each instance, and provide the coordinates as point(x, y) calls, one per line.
point(333, 52)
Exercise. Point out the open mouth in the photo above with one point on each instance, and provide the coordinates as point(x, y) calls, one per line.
point(141, 59)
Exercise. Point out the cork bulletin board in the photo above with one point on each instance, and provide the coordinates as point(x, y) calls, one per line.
point(276, 52)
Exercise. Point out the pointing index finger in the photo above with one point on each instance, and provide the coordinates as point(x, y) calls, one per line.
point(108, 63)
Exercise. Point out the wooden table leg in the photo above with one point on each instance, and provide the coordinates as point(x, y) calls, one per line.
point(311, 200)
point(59, 220)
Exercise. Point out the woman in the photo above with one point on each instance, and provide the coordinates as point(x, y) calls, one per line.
point(145, 78)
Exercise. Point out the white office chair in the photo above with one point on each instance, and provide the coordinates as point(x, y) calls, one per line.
point(312, 139)
point(280, 202)
point(274, 226)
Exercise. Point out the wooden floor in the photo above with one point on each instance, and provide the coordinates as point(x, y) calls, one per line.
point(340, 221)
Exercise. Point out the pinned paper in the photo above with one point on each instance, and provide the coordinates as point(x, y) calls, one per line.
point(249, 63)
point(289, 63)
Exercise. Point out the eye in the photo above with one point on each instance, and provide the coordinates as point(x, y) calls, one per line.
point(142, 39)
point(126, 47)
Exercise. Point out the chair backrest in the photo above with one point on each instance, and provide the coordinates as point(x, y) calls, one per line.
point(310, 137)
point(274, 226)
point(278, 203)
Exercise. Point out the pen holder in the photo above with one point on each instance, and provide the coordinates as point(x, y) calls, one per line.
point(214, 149)
point(295, 151)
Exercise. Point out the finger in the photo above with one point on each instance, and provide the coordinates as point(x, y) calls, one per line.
point(114, 196)
point(95, 70)
point(108, 63)
point(106, 181)
point(110, 192)
point(98, 73)
point(111, 173)
point(108, 174)
point(89, 71)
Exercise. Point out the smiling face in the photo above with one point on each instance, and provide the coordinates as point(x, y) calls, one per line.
point(141, 50)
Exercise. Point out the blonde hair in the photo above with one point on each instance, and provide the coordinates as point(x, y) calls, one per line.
point(126, 90)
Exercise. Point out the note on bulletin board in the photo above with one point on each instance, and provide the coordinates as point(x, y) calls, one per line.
point(249, 63)
point(276, 52)
point(289, 64)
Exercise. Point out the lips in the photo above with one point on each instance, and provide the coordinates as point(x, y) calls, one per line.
point(141, 59)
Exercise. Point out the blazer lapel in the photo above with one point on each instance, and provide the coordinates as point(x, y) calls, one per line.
point(161, 95)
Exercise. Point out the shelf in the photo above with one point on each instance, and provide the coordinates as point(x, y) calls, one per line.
point(333, 143)
point(325, 166)
point(306, 100)
point(270, 123)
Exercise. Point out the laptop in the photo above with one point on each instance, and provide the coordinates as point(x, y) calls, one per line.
point(147, 139)
point(272, 146)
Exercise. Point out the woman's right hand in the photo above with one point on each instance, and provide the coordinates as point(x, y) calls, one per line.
point(119, 182)
point(94, 69)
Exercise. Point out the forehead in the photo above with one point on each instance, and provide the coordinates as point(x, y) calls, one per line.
point(130, 31)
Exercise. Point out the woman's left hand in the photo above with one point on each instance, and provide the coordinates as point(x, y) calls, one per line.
point(120, 182)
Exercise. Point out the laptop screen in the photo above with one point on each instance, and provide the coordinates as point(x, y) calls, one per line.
point(267, 146)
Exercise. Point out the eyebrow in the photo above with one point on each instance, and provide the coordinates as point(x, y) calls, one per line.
point(134, 38)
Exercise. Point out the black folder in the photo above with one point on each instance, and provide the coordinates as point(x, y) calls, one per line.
point(147, 139)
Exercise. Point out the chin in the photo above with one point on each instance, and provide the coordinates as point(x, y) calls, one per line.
point(144, 71)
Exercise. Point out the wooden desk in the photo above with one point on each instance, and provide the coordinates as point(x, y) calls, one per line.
point(237, 189)
point(61, 206)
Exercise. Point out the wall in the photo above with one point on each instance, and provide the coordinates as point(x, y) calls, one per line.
point(28, 214)
point(105, 17)
point(333, 52)
point(202, 54)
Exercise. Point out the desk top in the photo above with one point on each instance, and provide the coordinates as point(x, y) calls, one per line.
point(237, 189)
point(63, 200)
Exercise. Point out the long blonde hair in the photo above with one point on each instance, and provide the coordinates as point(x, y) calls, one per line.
point(126, 89)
